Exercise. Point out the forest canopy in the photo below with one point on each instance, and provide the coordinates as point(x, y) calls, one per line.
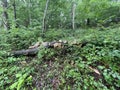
point(59, 13)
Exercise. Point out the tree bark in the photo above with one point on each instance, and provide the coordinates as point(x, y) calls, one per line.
point(44, 17)
point(29, 12)
point(33, 50)
point(5, 15)
point(15, 15)
point(28, 52)
point(73, 15)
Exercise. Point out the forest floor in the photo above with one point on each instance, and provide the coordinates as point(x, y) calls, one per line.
point(93, 66)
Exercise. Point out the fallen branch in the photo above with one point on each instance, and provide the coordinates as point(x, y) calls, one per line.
point(27, 52)
point(95, 70)
point(33, 50)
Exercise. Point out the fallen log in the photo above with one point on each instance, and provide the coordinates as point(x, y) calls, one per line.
point(28, 52)
point(33, 50)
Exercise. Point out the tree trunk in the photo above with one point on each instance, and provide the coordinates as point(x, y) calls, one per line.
point(33, 50)
point(5, 15)
point(73, 15)
point(29, 12)
point(44, 17)
point(15, 15)
point(28, 52)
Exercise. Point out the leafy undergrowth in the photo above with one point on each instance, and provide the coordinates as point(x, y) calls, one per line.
point(93, 66)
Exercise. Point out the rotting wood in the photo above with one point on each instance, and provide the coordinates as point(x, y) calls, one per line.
point(33, 50)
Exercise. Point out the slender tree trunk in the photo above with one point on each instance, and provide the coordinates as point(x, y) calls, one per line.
point(5, 15)
point(44, 17)
point(29, 12)
point(73, 15)
point(15, 15)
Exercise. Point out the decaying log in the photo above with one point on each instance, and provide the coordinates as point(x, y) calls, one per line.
point(33, 50)
point(27, 52)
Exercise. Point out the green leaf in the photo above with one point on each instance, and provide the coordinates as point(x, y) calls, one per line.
point(18, 75)
point(20, 83)
point(13, 86)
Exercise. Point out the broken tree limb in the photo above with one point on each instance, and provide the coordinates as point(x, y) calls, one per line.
point(33, 50)
point(28, 52)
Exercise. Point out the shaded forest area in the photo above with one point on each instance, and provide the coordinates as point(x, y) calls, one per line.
point(59, 44)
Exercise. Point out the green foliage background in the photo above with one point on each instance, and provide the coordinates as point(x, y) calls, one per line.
point(66, 68)
point(69, 65)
